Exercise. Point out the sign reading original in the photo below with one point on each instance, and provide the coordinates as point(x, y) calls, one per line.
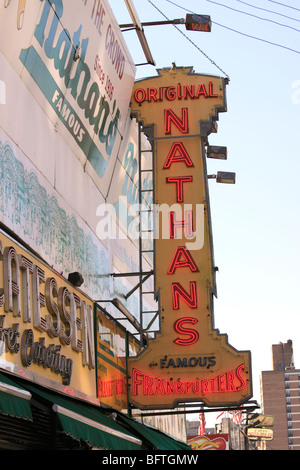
point(46, 326)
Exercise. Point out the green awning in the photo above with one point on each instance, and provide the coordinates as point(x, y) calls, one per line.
point(86, 422)
point(14, 400)
point(157, 438)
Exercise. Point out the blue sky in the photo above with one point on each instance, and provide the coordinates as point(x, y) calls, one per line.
point(255, 222)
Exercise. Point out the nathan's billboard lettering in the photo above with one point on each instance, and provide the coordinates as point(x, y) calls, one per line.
point(84, 90)
point(82, 68)
point(188, 360)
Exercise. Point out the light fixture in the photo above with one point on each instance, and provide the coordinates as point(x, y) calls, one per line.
point(223, 177)
point(208, 127)
point(76, 279)
point(198, 23)
point(192, 22)
point(214, 151)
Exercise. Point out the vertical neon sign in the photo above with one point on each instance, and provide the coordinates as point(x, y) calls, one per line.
point(188, 360)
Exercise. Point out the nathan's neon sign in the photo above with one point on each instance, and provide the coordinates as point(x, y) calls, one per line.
point(179, 292)
point(178, 148)
point(188, 360)
point(230, 381)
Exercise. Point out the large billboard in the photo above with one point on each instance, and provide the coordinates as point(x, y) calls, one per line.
point(188, 360)
point(74, 61)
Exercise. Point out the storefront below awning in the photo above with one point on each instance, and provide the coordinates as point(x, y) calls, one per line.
point(14, 400)
point(84, 422)
point(67, 423)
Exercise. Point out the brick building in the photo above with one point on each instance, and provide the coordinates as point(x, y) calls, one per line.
point(280, 396)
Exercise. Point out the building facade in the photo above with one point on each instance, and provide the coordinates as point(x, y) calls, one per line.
point(84, 297)
point(280, 397)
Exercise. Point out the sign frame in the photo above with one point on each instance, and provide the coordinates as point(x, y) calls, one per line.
point(159, 377)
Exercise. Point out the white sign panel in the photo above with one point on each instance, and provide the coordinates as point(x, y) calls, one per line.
point(72, 57)
point(33, 210)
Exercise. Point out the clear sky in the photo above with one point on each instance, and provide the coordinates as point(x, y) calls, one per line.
point(255, 222)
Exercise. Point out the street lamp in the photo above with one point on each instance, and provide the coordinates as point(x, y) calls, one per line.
point(215, 151)
point(223, 177)
point(198, 23)
point(192, 22)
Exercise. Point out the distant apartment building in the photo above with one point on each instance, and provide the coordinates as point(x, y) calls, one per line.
point(280, 397)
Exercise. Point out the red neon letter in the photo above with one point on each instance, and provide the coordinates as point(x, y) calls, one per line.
point(204, 386)
point(159, 386)
point(148, 382)
point(222, 383)
point(152, 94)
point(179, 180)
point(170, 387)
point(201, 90)
point(193, 334)
point(179, 291)
point(211, 93)
point(182, 157)
point(137, 92)
point(182, 124)
point(135, 381)
point(170, 93)
point(189, 91)
point(238, 373)
point(187, 260)
point(230, 379)
point(188, 223)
